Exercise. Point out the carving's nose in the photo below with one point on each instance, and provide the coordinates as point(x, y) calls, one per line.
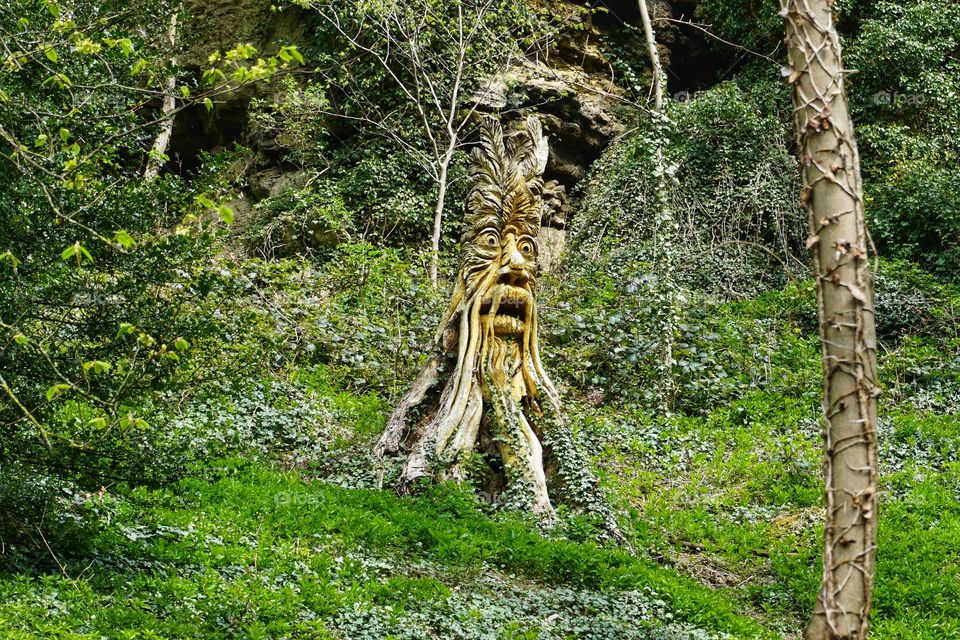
point(517, 261)
point(514, 277)
point(513, 265)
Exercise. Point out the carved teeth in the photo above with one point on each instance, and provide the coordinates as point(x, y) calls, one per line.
point(506, 325)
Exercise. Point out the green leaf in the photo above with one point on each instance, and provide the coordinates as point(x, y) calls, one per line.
point(58, 79)
point(205, 202)
point(41, 140)
point(131, 420)
point(185, 91)
point(21, 339)
point(226, 213)
point(180, 344)
point(125, 328)
point(51, 55)
point(208, 103)
point(97, 366)
point(78, 251)
point(64, 134)
point(126, 46)
point(98, 423)
point(7, 256)
point(55, 390)
point(124, 239)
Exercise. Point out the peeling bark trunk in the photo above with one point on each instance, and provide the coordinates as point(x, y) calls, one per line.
point(438, 217)
point(832, 195)
point(666, 224)
point(160, 144)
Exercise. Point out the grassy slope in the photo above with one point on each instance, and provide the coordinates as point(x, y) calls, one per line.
point(724, 508)
point(262, 553)
point(744, 512)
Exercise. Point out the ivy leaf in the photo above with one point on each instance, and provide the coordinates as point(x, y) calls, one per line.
point(21, 339)
point(41, 140)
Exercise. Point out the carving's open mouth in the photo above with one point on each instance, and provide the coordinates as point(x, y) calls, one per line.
point(511, 309)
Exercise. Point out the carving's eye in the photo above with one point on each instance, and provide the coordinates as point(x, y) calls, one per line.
point(526, 247)
point(489, 239)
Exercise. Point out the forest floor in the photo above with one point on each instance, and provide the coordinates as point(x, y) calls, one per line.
point(722, 508)
point(263, 552)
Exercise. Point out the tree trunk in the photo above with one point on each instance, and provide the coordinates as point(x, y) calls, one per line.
point(155, 160)
point(832, 195)
point(665, 224)
point(438, 220)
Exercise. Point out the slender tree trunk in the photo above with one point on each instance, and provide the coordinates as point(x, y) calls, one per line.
point(832, 195)
point(665, 225)
point(438, 218)
point(654, 56)
point(155, 160)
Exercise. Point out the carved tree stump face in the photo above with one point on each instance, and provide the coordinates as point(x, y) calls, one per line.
point(492, 385)
point(495, 282)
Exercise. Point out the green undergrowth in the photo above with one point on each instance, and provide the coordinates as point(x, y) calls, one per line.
point(269, 524)
point(728, 489)
point(733, 499)
point(262, 553)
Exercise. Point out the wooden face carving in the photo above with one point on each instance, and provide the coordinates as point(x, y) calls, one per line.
point(498, 265)
point(500, 254)
point(491, 386)
point(484, 389)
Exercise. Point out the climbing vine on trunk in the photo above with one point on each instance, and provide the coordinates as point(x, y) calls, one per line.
point(833, 196)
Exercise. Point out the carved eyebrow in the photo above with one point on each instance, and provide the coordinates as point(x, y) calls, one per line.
point(481, 225)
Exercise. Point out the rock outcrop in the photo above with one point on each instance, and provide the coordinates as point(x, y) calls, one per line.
point(570, 84)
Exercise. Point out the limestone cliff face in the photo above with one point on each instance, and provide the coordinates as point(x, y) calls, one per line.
point(571, 85)
point(219, 25)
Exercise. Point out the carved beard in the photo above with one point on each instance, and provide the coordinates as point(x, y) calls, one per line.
point(498, 379)
point(497, 333)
